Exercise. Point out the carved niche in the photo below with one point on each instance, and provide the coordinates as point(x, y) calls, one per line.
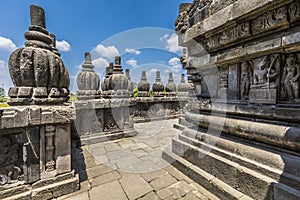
point(11, 170)
point(266, 73)
point(290, 77)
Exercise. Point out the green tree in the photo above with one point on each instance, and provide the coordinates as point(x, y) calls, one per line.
point(2, 92)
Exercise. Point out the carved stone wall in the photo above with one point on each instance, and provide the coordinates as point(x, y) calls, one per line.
point(243, 60)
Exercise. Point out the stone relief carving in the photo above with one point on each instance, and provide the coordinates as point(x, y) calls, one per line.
point(290, 78)
point(246, 78)
point(109, 122)
point(294, 11)
point(266, 73)
point(10, 166)
point(269, 19)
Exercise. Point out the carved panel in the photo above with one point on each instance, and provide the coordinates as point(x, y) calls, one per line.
point(290, 77)
point(270, 20)
point(294, 11)
point(109, 121)
point(246, 79)
point(11, 170)
point(266, 76)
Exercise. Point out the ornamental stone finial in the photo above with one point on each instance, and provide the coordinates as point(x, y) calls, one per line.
point(37, 16)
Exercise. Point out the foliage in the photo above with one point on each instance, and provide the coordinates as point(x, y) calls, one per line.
point(73, 97)
point(3, 99)
point(135, 92)
point(151, 93)
point(4, 105)
point(2, 92)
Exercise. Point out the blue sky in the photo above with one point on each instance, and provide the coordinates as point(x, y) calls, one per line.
point(140, 31)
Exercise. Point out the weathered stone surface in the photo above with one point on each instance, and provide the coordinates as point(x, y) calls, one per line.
point(88, 80)
point(48, 71)
point(135, 186)
point(108, 191)
point(162, 182)
point(105, 178)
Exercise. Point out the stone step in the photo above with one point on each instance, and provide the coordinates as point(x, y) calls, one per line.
point(274, 164)
point(242, 179)
point(209, 182)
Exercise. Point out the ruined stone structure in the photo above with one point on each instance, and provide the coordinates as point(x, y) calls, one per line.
point(158, 87)
point(143, 86)
point(35, 140)
point(107, 118)
point(171, 86)
point(37, 71)
point(88, 80)
point(240, 134)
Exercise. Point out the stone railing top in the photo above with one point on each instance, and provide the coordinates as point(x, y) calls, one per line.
point(102, 103)
point(25, 116)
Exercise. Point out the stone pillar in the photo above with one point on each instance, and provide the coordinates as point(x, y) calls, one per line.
point(37, 137)
point(108, 118)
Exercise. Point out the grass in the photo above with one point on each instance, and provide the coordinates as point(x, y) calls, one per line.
point(4, 105)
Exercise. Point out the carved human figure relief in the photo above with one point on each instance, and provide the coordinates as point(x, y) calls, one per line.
point(265, 73)
point(246, 77)
point(290, 78)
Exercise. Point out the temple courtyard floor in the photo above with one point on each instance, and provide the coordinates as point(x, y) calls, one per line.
point(133, 168)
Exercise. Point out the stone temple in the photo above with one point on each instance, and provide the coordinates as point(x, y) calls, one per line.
point(231, 131)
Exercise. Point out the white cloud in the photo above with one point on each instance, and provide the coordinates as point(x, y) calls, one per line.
point(134, 51)
point(100, 63)
point(7, 45)
point(108, 52)
point(171, 43)
point(174, 61)
point(5, 76)
point(152, 71)
point(175, 65)
point(132, 62)
point(164, 37)
point(2, 63)
point(63, 46)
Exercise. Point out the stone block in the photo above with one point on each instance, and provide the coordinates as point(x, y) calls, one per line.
point(254, 184)
point(135, 186)
point(108, 191)
point(63, 148)
point(34, 115)
point(8, 119)
point(163, 182)
point(25, 92)
point(283, 192)
point(21, 117)
point(46, 116)
point(40, 92)
point(13, 92)
point(263, 96)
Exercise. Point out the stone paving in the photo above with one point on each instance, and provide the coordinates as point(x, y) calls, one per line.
point(133, 168)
